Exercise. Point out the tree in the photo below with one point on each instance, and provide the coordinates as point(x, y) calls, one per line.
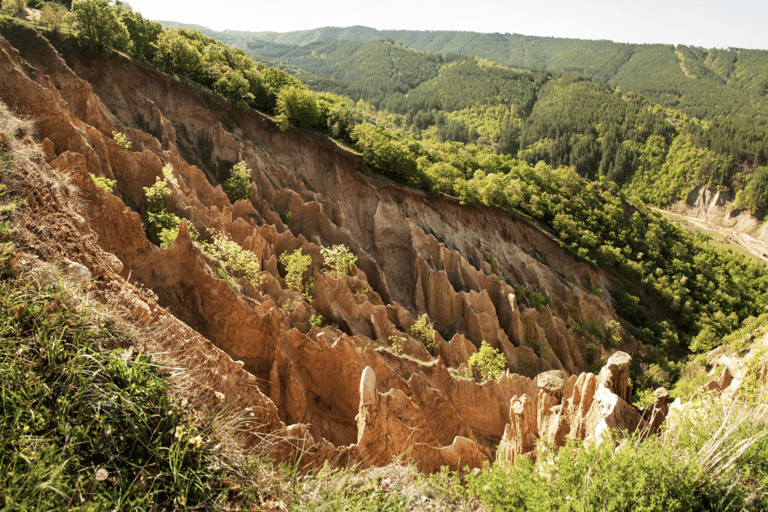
point(53, 15)
point(384, 154)
point(297, 106)
point(143, 32)
point(340, 259)
point(97, 25)
point(14, 7)
point(274, 80)
point(296, 264)
point(233, 87)
point(178, 55)
point(423, 331)
point(240, 263)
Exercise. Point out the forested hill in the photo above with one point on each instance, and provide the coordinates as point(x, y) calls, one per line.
point(700, 82)
point(714, 99)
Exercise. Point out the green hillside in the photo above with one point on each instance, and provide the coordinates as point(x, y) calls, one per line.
point(701, 82)
point(708, 84)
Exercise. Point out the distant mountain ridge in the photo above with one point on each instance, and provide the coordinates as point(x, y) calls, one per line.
point(704, 83)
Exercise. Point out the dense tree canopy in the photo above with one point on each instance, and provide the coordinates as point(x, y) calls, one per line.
point(98, 25)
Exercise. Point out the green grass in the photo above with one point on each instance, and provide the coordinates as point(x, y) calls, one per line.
point(86, 423)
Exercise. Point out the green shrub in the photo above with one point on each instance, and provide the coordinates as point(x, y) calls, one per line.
point(286, 216)
point(158, 218)
point(340, 259)
point(14, 8)
point(240, 263)
point(105, 184)
point(296, 263)
point(488, 361)
point(597, 364)
point(654, 377)
point(297, 106)
point(422, 331)
point(706, 340)
point(492, 262)
point(238, 186)
point(587, 327)
point(537, 301)
point(122, 139)
point(316, 321)
point(396, 344)
point(168, 174)
point(163, 226)
point(613, 334)
point(156, 195)
point(539, 348)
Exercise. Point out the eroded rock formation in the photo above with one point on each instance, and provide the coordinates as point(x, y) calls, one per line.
point(583, 407)
point(340, 389)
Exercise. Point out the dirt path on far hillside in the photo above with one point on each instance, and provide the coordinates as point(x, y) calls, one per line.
point(720, 235)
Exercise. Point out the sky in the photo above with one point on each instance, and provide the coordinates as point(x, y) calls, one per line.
point(705, 23)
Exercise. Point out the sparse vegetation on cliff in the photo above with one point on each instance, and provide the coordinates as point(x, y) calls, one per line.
point(423, 331)
point(238, 186)
point(488, 361)
point(240, 263)
point(340, 259)
point(106, 184)
point(121, 139)
point(162, 225)
point(296, 264)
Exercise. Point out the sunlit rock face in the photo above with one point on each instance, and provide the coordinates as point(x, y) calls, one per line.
point(337, 385)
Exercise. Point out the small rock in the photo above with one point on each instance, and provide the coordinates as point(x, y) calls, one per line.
point(77, 270)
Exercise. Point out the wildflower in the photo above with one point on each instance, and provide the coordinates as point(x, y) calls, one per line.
point(101, 475)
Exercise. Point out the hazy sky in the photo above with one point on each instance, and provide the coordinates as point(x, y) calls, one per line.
point(707, 23)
